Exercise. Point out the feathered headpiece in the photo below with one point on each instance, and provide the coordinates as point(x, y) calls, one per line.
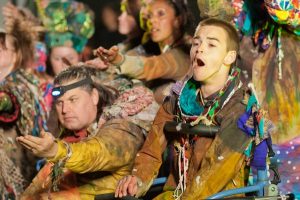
point(67, 23)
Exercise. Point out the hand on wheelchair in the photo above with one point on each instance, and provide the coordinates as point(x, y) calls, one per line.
point(127, 186)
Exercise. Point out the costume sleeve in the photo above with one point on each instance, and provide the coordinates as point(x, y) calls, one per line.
point(40, 182)
point(114, 147)
point(224, 160)
point(149, 158)
point(9, 107)
point(173, 64)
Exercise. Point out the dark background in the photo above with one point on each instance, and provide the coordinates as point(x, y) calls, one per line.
point(102, 36)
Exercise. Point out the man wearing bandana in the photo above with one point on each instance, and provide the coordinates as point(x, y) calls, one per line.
point(100, 136)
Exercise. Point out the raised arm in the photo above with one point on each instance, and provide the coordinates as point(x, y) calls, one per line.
point(173, 64)
point(114, 147)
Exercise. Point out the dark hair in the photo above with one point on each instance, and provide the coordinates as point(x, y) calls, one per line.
point(181, 10)
point(133, 8)
point(2, 40)
point(107, 95)
point(232, 34)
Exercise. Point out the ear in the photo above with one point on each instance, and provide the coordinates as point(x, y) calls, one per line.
point(95, 96)
point(230, 58)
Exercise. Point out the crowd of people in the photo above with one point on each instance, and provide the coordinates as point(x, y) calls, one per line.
point(76, 123)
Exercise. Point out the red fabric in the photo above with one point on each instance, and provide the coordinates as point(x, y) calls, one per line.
point(78, 136)
point(11, 117)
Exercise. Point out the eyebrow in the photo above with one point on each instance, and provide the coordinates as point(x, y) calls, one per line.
point(213, 38)
point(209, 38)
point(73, 96)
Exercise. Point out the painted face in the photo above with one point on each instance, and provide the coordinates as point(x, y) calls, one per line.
point(57, 55)
point(208, 53)
point(127, 23)
point(162, 22)
point(7, 55)
point(70, 107)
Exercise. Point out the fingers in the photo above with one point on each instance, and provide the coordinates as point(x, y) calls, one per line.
point(97, 63)
point(126, 186)
point(40, 146)
point(101, 53)
point(46, 135)
point(118, 189)
point(28, 141)
point(20, 140)
point(107, 55)
point(133, 187)
point(28, 144)
point(42, 133)
point(115, 48)
point(118, 192)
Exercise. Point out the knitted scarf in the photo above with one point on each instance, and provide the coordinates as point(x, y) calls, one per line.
point(190, 106)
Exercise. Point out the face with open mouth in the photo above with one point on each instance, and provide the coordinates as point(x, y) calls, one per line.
point(162, 22)
point(208, 53)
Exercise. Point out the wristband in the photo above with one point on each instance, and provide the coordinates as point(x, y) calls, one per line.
point(69, 151)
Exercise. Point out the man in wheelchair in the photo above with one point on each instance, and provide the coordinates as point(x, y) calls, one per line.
point(212, 102)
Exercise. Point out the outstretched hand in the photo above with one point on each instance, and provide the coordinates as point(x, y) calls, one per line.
point(110, 55)
point(97, 63)
point(127, 186)
point(43, 146)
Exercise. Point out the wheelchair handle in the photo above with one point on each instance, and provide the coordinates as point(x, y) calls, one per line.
point(186, 129)
point(276, 176)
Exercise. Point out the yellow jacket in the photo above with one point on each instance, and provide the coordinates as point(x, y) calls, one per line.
point(98, 163)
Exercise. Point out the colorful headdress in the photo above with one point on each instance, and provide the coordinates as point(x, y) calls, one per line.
point(285, 12)
point(68, 23)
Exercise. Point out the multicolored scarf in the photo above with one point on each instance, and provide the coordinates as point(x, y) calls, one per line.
point(190, 107)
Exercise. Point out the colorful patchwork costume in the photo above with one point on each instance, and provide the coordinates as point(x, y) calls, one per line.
point(203, 166)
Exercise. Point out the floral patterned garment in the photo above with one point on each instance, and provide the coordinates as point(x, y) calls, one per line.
point(26, 104)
